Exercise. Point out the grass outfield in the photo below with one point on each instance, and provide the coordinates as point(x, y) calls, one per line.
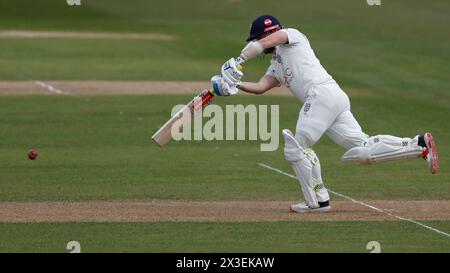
point(99, 148)
point(223, 237)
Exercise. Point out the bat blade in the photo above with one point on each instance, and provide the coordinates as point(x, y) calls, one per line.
point(164, 134)
point(182, 117)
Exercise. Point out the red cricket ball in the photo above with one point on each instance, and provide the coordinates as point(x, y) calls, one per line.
point(32, 154)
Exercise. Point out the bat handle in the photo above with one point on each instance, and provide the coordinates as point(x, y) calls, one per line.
point(239, 60)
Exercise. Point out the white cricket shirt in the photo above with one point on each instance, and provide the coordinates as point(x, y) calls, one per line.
point(296, 66)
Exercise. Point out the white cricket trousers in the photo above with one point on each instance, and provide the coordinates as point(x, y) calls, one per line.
point(327, 110)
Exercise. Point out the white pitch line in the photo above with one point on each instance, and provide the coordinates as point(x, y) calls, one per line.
point(362, 203)
point(50, 88)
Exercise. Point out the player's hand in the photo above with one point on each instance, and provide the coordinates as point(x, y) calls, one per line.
point(222, 88)
point(231, 72)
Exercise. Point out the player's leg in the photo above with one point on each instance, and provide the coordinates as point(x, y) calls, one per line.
point(316, 115)
point(346, 132)
point(306, 166)
point(385, 147)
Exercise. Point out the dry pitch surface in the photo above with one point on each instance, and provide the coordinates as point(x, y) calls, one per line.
point(168, 210)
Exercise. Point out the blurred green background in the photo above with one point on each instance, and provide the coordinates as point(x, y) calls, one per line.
point(400, 46)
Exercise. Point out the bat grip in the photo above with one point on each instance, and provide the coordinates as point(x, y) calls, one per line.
point(239, 60)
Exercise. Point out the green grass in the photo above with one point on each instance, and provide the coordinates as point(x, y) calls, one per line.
point(90, 151)
point(222, 237)
point(399, 47)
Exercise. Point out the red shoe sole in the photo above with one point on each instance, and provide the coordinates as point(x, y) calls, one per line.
point(431, 145)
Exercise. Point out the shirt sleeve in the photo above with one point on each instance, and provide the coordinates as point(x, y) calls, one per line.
point(273, 71)
point(294, 36)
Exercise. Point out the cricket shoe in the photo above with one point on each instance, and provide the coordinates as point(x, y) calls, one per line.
point(430, 153)
point(303, 207)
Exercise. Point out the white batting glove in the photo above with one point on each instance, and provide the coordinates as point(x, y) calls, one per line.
point(222, 88)
point(231, 73)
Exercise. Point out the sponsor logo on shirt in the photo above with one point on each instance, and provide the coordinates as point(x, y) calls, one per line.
point(307, 107)
point(288, 76)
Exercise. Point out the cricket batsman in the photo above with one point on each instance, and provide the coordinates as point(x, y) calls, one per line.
point(325, 110)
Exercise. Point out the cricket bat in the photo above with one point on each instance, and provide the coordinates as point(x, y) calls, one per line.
point(185, 114)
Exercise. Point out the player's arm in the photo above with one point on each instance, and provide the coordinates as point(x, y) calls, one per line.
point(231, 71)
point(266, 83)
point(274, 39)
point(256, 48)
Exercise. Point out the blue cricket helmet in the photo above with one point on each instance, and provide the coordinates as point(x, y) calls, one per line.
point(263, 24)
